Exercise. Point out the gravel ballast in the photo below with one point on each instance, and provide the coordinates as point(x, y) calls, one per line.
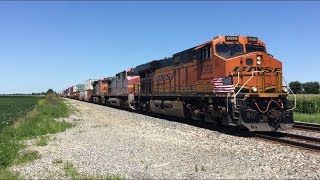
point(108, 141)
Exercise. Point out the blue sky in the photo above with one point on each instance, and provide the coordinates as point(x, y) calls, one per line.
point(57, 44)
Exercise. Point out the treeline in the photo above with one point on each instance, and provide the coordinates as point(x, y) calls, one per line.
point(50, 91)
point(305, 88)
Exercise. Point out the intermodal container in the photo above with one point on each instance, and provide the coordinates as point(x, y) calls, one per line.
point(88, 85)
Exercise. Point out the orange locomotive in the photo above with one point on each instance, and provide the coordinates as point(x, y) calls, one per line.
point(230, 80)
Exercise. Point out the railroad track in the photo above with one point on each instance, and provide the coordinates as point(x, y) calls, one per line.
point(305, 142)
point(307, 126)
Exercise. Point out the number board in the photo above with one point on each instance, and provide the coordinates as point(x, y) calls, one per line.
point(232, 38)
point(252, 39)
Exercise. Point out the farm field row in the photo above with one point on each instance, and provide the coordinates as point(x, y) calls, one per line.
point(13, 107)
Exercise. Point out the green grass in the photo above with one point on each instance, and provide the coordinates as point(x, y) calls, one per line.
point(72, 172)
point(310, 118)
point(28, 156)
point(13, 107)
point(43, 141)
point(6, 174)
point(57, 161)
point(41, 122)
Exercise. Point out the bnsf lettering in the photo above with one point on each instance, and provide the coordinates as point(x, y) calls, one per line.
point(163, 77)
point(251, 69)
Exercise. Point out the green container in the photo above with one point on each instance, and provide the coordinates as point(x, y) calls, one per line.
point(80, 87)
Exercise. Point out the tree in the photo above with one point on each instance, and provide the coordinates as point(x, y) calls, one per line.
point(50, 91)
point(296, 87)
point(311, 87)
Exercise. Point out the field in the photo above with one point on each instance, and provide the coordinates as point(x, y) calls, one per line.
point(38, 123)
point(13, 107)
point(308, 108)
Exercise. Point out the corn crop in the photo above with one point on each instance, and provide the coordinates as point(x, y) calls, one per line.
point(307, 103)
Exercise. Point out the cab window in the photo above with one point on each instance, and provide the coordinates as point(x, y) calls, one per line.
point(229, 50)
point(204, 53)
point(255, 48)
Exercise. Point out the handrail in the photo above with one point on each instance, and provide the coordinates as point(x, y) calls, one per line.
point(229, 93)
point(295, 96)
point(246, 83)
point(238, 80)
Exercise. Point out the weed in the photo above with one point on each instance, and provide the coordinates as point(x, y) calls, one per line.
point(43, 141)
point(70, 170)
point(73, 173)
point(6, 174)
point(196, 169)
point(28, 157)
point(203, 168)
point(57, 161)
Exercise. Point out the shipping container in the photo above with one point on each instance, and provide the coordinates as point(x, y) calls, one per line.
point(80, 87)
point(87, 95)
point(82, 94)
point(88, 85)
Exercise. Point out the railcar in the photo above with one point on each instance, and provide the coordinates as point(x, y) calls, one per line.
point(122, 89)
point(100, 90)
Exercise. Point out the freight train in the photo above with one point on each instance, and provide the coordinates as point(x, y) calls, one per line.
point(230, 81)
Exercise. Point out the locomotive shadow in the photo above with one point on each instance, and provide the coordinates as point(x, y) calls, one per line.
point(234, 131)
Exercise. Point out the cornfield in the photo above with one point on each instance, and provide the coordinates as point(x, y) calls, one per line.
point(307, 103)
point(13, 107)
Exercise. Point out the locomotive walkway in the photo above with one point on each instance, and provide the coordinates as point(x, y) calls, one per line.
point(108, 141)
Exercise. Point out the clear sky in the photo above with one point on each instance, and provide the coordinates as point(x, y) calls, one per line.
point(58, 44)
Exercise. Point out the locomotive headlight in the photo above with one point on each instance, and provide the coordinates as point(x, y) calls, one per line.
point(259, 58)
point(284, 89)
point(254, 89)
point(258, 62)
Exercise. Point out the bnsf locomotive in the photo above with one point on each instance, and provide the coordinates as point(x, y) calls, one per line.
point(230, 80)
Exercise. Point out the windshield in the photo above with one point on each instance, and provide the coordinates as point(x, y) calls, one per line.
point(255, 48)
point(229, 50)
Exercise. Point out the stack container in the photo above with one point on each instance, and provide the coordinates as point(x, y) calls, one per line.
point(80, 88)
point(81, 97)
point(88, 85)
point(88, 89)
point(71, 93)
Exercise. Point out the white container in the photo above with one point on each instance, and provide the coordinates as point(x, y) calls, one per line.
point(74, 89)
point(88, 85)
point(82, 95)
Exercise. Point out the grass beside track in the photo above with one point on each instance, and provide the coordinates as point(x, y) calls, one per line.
point(309, 118)
point(41, 122)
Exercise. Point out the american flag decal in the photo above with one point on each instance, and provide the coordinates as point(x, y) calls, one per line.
point(223, 85)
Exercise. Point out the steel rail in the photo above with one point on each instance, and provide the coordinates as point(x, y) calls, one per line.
point(282, 139)
point(308, 126)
